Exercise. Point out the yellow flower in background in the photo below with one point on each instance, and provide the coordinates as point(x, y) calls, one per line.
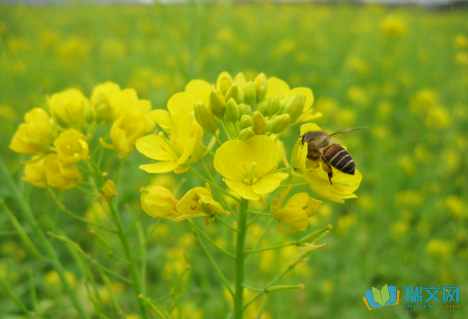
point(102, 100)
point(173, 153)
point(440, 248)
point(297, 211)
point(438, 118)
point(199, 202)
point(35, 135)
point(249, 167)
point(59, 175)
point(158, 201)
point(393, 26)
point(71, 147)
point(34, 172)
point(68, 107)
point(343, 186)
point(461, 41)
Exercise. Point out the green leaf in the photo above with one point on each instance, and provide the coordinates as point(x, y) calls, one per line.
point(385, 293)
point(377, 296)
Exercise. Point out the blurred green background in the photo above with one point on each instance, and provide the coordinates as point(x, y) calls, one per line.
point(402, 71)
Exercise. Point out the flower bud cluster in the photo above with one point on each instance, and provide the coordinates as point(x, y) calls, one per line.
point(247, 108)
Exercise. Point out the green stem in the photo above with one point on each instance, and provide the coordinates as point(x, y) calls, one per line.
point(239, 268)
point(225, 223)
point(41, 237)
point(131, 261)
point(211, 241)
point(215, 265)
point(270, 248)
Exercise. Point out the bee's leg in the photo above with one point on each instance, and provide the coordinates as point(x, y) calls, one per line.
point(327, 168)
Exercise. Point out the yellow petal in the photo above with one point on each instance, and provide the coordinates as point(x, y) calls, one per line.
point(269, 183)
point(313, 206)
point(242, 189)
point(230, 158)
point(154, 147)
point(264, 152)
point(160, 167)
point(294, 217)
point(200, 90)
point(181, 103)
point(277, 86)
point(309, 127)
point(188, 150)
point(161, 118)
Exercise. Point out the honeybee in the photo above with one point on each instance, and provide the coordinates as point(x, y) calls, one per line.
point(321, 146)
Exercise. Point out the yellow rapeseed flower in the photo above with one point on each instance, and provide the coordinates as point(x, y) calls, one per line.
point(173, 153)
point(199, 202)
point(104, 99)
point(127, 129)
point(68, 107)
point(249, 167)
point(343, 186)
point(297, 211)
point(34, 172)
point(158, 201)
point(35, 135)
point(59, 175)
point(71, 147)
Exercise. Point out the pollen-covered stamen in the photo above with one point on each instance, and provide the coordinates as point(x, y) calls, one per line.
point(250, 179)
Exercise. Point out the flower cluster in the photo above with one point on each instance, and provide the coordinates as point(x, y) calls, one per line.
point(246, 120)
point(58, 138)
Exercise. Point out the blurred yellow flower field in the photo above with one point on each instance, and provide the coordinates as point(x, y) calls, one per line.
point(117, 120)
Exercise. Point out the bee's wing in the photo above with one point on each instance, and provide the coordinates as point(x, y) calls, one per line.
point(347, 130)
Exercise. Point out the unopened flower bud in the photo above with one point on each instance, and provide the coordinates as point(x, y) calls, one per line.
point(245, 121)
point(273, 104)
point(109, 189)
point(217, 103)
point(224, 82)
point(295, 106)
point(259, 124)
point(279, 123)
point(89, 115)
point(246, 134)
point(245, 109)
point(232, 110)
point(204, 117)
point(261, 86)
point(250, 94)
point(235, 93)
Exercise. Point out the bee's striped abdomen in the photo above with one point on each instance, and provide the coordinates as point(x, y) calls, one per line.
point(339, 158)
